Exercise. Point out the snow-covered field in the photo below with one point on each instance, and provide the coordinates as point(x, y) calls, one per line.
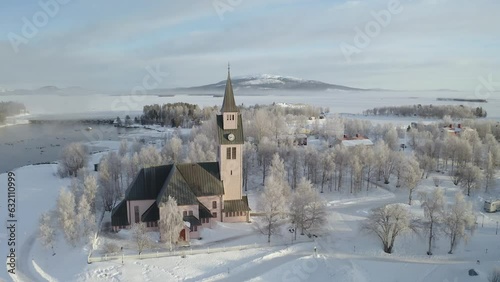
point(343, 253)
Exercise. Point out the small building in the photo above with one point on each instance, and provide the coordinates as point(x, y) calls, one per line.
point(293, 139)
point(352, 141)
point(491, 206)
point(456, 130)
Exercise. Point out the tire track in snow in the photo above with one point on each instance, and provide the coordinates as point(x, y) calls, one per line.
point(261, 267)
point(24, 269)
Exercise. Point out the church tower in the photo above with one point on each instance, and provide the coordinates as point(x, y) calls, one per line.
point(230, 137)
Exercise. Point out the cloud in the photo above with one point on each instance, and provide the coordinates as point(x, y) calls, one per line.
point(107, 45)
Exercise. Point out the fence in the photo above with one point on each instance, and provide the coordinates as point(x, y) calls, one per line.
point(184, 252)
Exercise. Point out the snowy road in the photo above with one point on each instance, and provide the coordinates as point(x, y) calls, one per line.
point(25, 271)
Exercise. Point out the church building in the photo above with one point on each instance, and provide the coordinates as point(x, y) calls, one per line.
point(205, 192)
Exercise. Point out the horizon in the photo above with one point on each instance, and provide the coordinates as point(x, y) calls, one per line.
point(395, 45)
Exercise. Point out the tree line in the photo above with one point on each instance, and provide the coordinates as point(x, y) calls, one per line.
point(428, 111)
point(176, 114)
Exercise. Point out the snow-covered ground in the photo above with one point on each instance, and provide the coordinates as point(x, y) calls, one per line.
point(343, 253)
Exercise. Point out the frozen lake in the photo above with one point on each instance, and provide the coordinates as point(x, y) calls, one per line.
point(337, 102)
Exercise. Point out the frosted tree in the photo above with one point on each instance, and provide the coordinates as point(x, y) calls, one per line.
point(387, 223)
point(459, 217)
point(411, 176)
point(391, 139)
point(249, 155)
point(433, 205)
point(261, 120)
point(273, 207)
point(494, 275)
point(302, 196)
point(314, 207)
point(67, 216)
point(294, 160)
point(470, 177)
point(327, 166)
point(132, 165)
point(76, 187)
point(341, 159)
point(356, 170)
point(85, 218)
point(489, 170)
point(385, 161)
point(122, 151)
point(46, 230)
point(73, 157)
point(278, 125)
point(172, 151)
point(201, 149)
point(140, 237)
point(369, 163)
point(90, 191)
point(136, 147)
point(108, 187)
point(278, 173)
point(149, 157)
point(265, 151)
point(171, 222)
point(273, 201)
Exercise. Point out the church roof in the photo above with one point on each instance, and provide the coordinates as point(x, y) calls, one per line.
point(204, 212)
point(223, 133)
point(193, 221)
point(236, 205)
point(151, 214)
point(148, 183)
point(119, 214)
point(177, 187)
point(184, 182)
point(229, 105)
point(201, 182)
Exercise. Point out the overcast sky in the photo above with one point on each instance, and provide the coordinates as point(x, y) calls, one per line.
point(427, 44)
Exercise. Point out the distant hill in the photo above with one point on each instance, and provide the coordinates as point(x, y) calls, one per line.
point(49, 90)
point(262, 82)
point(271, 82)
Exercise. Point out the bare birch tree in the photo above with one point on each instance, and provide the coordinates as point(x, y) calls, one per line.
point(411, 176)
point(73, 157)
point(433, 205)
point(249, 154)
point(273, 202)
point(140, 237)
point(470, 177)
point(46, 230)
point(67, 216)
point(303, 207)
point(459, 217)
point(172, 151)
point(387, 223)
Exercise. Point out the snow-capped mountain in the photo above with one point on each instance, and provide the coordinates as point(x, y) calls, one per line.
point(273, 82)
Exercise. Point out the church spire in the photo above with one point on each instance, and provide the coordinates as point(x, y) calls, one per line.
point(229, 105)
